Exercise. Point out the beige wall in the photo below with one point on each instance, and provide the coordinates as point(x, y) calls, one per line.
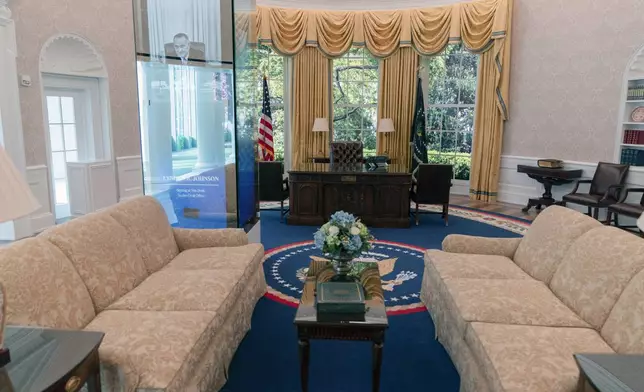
point(568, 63)
point(108, 26)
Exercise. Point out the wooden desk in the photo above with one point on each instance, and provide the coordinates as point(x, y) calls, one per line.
point(379, 197)
point(547, 177)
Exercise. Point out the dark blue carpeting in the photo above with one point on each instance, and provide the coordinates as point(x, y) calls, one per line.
point(267, 359)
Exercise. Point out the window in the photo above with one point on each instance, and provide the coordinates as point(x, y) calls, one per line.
point(263, 61)
point(61, 114)
point(450, 108)
point(355, 98)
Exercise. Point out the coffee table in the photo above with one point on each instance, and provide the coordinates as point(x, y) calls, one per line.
point(372, 328)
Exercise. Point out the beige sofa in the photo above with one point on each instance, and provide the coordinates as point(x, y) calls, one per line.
point(174, 304)
point(512, 312)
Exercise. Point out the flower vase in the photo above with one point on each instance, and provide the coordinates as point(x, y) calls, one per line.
point(342, 267)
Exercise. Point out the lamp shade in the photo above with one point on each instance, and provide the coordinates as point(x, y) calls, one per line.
point(16, 199)
point(386, 125)
point(640, 222)
point(321, 125)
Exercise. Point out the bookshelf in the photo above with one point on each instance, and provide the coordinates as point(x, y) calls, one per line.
point(631, 134)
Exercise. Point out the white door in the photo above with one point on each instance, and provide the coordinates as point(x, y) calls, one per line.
point(66, 125)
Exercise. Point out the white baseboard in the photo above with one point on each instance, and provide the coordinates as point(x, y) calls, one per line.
point(130, 177)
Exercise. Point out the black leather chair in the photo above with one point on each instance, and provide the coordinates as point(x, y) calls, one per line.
point(605, 188)
point(272, 184)
point(346, 152)
point(632, 210)
point(432, 185)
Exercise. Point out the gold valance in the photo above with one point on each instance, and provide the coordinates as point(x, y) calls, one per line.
point(480, 25)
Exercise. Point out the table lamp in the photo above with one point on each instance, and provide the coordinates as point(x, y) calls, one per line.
point(321, 125)
point(16, 201)
point(386, 126)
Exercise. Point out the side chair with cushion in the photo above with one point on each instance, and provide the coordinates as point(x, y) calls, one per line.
point(432, 185)
point(272, 184)
point(347, 152)
point(605, 188)
point(631, 210)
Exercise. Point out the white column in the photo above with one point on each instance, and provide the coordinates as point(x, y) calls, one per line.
point(11, 135)
point(211, 119)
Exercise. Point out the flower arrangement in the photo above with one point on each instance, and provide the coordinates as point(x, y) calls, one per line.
point(343, 237)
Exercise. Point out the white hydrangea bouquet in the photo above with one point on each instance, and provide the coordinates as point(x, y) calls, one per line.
point(341, 239)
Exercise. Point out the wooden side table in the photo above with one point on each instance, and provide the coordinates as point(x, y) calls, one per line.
point(610, 372)
point(50, 360)
point(547, 177)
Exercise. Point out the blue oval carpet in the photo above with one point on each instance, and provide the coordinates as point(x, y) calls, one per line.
point(267, 359)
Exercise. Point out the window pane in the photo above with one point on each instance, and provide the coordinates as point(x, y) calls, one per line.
point(56, 137)
point(434, 141)
point(448, 142)
point(462, 163)
point(464, 142)
point(465, 120)
point(370, 93)
point(70, 137)
point(61, 196)
point(450, 119)
point(67, 104)
point(60, 167)
point(468, 91)
point(53, 109)
point(72, 156)
point(449, 93)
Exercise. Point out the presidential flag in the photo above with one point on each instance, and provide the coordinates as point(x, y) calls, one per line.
point(265, 137)
point(418, 133)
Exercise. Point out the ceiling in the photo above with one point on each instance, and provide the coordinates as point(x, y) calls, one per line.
point(370, 5)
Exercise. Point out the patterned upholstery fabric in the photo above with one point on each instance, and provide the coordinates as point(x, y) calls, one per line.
point(346, 152)
point(148, 226)
point(193, 239)
point(458, 265)
point(104, 255)
point(240, 257)
point(596, 270)
point(624, 328)
point(517, 358)
point(548, 239)
point(176, 351)
point(457, 243)
point(517, 302)
point(42, 287)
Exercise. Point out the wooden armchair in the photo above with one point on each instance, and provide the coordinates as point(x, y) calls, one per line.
point(605, 188)
point(272, 184)
point(432, 185)
point(632, 210)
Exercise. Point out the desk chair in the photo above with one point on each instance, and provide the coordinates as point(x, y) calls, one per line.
point(432, 185)
point(272, 184)
point(346, 152)
point(605, 188)
point(632, 210)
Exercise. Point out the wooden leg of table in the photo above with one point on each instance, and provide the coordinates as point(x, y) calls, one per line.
point(304, 348)
point(416, 213)
point(377, 365)
point(94, 379)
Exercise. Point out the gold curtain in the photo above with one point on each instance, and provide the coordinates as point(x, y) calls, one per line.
point(310, 101)
point(491, 113)
point(396, 100)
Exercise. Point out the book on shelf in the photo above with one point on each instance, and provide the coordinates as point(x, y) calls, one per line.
point(632, 156)
point(633, 136)
point(635, 93)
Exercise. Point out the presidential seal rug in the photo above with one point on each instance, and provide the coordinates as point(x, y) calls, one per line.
point(267, 359)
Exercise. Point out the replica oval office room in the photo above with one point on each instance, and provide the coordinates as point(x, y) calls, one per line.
point(321, 196)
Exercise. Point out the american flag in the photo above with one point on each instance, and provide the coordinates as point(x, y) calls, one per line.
point(265, 138)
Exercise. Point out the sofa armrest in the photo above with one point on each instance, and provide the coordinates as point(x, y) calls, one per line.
point(457, 243)
point(212, 238)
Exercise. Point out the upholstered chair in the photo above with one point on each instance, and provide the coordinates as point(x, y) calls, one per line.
point(432, 185)
point(346, 152)
point(631, 210)
point(605, 188)
point(272, 184)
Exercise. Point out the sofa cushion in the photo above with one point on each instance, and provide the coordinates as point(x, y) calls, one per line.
point(522, 302)
point(624, 328)
point(148, 226)
point(460, 265)
point(596, 270)
point(241, 257)
point(153, 349)
point(185, 290)
point(548, 239)
point(104, 255)
point(518, 358)
point(42, 287)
